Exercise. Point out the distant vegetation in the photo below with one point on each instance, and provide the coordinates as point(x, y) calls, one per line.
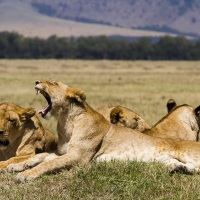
point(43, 8)
point(173, 15)
point(166, 29)
point(13, 45)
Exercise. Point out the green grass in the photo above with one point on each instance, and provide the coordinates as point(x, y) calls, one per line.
point(144, 87)
point(114, 180)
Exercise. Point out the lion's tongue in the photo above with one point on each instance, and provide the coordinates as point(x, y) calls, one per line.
point(44, 111)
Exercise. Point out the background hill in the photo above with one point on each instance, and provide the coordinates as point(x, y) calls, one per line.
point(169, 15)
point(44, 18)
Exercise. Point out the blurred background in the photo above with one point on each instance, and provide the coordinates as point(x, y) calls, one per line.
point(88, 29)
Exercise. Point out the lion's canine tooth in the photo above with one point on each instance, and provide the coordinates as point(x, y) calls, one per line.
point(36, 91)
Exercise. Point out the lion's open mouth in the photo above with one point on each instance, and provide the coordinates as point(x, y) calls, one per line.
point(4, 142)
point(43, 112)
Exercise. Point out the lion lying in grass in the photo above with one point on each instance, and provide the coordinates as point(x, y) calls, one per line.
point(182, 122)
point(22, 135)
point(85, 135)
point(123, 116)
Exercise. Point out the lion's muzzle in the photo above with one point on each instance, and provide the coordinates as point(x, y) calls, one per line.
point(3, 139)
point(4, 142)
point(2, 131)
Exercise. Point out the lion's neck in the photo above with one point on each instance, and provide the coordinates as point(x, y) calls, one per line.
point(67, 119)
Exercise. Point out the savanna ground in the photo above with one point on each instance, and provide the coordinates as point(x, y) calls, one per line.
point(143, 86)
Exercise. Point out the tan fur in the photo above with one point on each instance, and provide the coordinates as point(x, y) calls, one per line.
point(183, 122)
point(85, 135)
point(123, 116)
point(22, 135)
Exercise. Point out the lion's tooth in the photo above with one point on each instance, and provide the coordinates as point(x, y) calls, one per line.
point(36, 92)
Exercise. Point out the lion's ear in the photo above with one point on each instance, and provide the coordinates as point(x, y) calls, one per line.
point(171, 104)
point(197, 110)
point(28, 113)
point(115, 115)
point(76, 93)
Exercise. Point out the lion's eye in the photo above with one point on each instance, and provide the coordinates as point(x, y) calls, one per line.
point(136, 119)
point(12, 120)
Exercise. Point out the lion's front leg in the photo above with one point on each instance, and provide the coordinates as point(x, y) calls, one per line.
point(64, 161)
point(3, 165)
point(31, 162)
point(13, 160)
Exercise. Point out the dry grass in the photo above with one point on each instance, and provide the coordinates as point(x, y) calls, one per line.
point(142, 86)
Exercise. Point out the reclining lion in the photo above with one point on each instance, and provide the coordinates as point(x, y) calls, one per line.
point(85, 135)
point(22, 135)
point(123, 116)
point(182, 122)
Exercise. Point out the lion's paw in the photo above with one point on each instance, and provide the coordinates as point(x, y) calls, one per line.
point(29, 165)
point(186, 169)
point(2, 170)
point(15, 168)
point(24, 177)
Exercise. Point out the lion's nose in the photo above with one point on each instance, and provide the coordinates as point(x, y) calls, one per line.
point(37, 82)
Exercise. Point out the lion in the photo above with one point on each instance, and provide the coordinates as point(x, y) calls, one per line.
point(22, 135)
point(85, 135)
point(123, 116)
point(182, 122)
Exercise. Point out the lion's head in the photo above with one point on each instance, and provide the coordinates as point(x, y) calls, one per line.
point(12, 119)
point(58, 96)
point(125, 117)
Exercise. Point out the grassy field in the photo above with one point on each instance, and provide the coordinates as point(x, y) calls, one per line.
point(143, 86)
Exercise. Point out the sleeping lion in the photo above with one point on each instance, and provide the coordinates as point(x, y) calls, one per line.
point(123, 116)
point(22, 135)
point(85, 135)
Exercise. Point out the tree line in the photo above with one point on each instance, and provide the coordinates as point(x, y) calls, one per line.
point(14, 45)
